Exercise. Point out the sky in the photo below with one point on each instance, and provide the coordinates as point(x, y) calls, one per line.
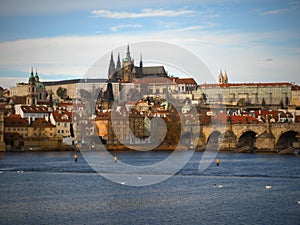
point(253, 40)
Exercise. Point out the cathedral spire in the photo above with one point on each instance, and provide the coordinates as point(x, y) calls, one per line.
point(111, 69)
point(225, 78)
point(118, 63)
point(128, 57)
point(221, 78)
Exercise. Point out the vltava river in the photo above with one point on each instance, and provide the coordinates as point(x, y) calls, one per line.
point(50, 188)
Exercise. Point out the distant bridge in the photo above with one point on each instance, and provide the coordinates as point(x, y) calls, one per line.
point(268, 136)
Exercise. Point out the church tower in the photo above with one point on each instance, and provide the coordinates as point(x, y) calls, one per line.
point(36, 77)
point(31, 97)
point(128, 66)
point(225, 80)
point(118, 63)
point(111, 69)
point(221, 78)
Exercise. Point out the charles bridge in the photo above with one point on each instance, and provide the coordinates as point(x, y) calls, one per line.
point(260, 137)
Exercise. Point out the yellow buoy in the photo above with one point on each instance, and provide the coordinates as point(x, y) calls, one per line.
point(116, 159)
point(75, 157)
point(217, 162)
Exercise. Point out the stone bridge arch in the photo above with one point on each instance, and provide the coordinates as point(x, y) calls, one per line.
point(247, 139)
point(214, 140)
point(279, 129)
point(285, 140)
point(208, 130)
point(239, 130)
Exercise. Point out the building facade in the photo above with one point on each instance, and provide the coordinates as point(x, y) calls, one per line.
point(243, 94)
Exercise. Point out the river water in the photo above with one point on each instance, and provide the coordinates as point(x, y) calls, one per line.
point(50, 188)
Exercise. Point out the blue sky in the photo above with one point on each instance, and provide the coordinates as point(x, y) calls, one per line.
point(254, 41)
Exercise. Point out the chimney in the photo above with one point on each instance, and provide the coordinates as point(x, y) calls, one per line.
point(29, 120)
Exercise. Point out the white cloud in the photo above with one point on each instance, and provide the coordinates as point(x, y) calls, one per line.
point(144, 13)
point(275, 12)
point(124, 26)
point(42, 7)
point(195, 27)
point(293, 6)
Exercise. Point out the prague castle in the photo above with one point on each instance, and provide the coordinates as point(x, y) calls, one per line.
point(128, 72)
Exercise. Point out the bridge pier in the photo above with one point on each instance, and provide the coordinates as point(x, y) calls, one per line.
point(265, 142)
point(229, 141)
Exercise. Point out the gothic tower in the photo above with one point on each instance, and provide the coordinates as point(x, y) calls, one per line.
point(221, 78)
point(225, 80)
point(111, 69)
point(128, 66)
point(118, 63)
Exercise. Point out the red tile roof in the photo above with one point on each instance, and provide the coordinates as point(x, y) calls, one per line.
point(186, 81)
point(59, 117)
point(40, 122)
point(245, 84)
point(265, 112)
point(243, 119)
point(15, 120)
point(34, 109)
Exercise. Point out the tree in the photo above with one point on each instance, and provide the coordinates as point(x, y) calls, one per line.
point(51, 99)
point(62, 93)
point(72, 130)
point(241, 102)
point(203, 99)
